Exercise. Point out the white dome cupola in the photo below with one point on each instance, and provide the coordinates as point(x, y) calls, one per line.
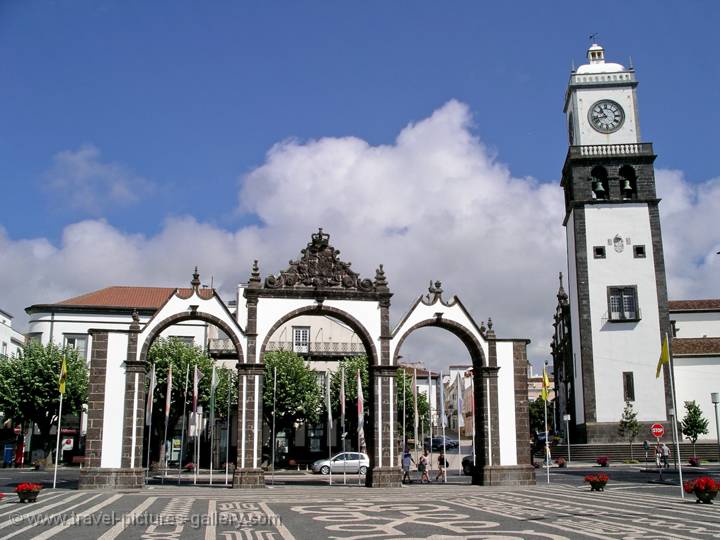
point(596, 62)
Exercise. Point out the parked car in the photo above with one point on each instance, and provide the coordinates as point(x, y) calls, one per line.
point(467, 465)
point(349, 462)
point(437, 443)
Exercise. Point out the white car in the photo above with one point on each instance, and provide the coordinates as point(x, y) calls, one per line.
point(348, 462)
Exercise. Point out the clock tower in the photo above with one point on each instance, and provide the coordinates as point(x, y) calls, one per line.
point(616, 272)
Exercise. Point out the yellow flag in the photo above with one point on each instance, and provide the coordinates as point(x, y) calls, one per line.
point(664, 357)
point(545, 385)
point(63, 376)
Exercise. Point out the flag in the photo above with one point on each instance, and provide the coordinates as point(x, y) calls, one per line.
point(342, 395)
point(168, 392)
point(328, 405)
point(664, 357)
point(545, 385)
point(63, 375)
point(361, 414)
point(213, 386)
point(461, 418)
point(415, 403)
point(149, 404)
point(196, 382)
point(443, 418)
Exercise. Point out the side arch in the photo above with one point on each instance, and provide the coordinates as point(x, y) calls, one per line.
point(463, 333)
point(194, 316)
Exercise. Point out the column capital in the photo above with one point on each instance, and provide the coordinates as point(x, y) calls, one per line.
point(250, 369)
point(383, 371)
point(489, 372)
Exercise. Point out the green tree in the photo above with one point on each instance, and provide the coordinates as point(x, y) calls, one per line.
point(29, 386)
point(182, 356)
point(350, 366)
point(422, 402)
point(299, 396)
point(629, 427)
point(536, 410)
point(694, 424)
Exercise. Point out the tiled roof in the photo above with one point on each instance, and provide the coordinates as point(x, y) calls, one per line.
point(693, 346)
point(694, 305)
point(129, 297)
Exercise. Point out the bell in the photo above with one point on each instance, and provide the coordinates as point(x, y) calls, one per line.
point(627, 188)
point(598, 187)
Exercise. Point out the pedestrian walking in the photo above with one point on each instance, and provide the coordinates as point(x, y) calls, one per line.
point(422, 467)
point(442, 466)
point(407, 462)
point(665, 456)
point(658, 455)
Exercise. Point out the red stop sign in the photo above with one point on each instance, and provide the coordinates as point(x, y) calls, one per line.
point(657, 430)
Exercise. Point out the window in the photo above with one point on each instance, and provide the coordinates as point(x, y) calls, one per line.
point(79, 342)
point(639, 252)
point(599, 252)
point(187, 340)
point(4, 348)
point(301, 339)
point(622, 304)
point(628, 386)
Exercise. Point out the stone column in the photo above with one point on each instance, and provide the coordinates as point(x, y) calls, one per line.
point(115, 413)
point(248, 471)
point(385, 471)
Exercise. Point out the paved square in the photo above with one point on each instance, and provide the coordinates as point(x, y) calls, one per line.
point(564, 509)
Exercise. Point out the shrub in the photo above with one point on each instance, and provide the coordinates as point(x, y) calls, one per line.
point(704, 484)
point(694, 461)
point(603, 461)
point(28, 486)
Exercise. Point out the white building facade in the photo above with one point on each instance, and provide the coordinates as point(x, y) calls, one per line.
point(11, 341)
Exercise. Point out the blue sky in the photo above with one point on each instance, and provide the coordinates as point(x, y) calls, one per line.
point(191, 95)
point(138, 139)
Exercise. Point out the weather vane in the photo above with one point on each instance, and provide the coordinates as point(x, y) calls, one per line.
point(592, 37)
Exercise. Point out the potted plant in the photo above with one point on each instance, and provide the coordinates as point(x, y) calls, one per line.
point(704, 488)
point(561, 462)
point(694, 461)
point(603, 461)
point(28, 492)
point(597, 481)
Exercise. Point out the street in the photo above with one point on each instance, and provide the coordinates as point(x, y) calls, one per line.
point(630, 506)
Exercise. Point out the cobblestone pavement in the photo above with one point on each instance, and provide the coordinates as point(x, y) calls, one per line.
point(563, 509)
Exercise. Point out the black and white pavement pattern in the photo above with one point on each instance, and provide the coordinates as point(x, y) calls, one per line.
point(633, 509)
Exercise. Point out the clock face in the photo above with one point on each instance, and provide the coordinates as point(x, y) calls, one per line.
point(606, 116)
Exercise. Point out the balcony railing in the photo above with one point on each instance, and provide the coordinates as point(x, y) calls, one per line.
point(220, 346)
point(594, 150)
point(318, 348)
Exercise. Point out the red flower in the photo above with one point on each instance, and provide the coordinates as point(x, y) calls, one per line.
point(597, 478)
point(704, 484)
point(28, 486)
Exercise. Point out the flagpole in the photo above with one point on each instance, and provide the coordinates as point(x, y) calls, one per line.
point(342, 418)
point(168, 400)
point(429, 465)
point(227, 441)
point(458, 406)
point(182, 436)
point(443, 421)
point(547, 449)
point(404, 396)
point(213, 382)
point(57, 442)
point(472, 386)
point(329, 424)
point(274, 443)
point(148, 416)
point(671, 365)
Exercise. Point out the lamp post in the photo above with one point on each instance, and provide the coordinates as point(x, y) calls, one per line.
point(715, 397)
point(671, 413)
point(566, 417)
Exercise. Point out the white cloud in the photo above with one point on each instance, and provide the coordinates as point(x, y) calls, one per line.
point(436, 204)
point(80, 180)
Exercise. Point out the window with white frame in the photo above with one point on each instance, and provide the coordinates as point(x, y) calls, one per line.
point(301, 339)
point(4, 348)
point(623, 304)
point(79, 342)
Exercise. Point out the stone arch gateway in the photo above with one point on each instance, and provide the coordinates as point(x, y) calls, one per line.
point(318, 282)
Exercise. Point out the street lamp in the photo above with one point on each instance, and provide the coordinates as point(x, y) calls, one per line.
point(715, 397)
